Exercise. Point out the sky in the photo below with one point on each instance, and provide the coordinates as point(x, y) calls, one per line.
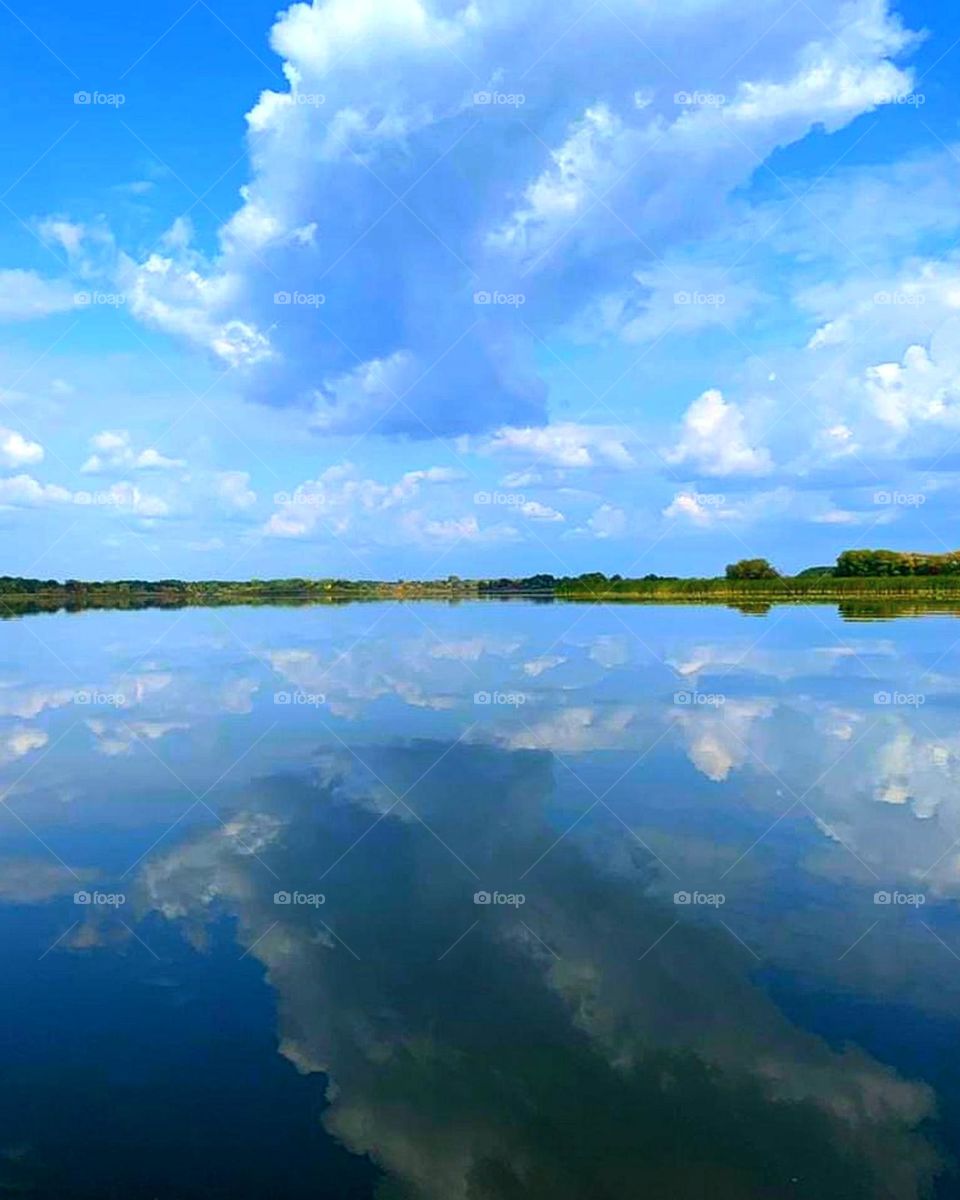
point(403, 289)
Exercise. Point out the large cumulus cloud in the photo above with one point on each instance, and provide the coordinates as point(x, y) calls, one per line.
point(425, 153)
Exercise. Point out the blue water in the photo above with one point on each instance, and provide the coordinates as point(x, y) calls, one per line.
point(492, 900)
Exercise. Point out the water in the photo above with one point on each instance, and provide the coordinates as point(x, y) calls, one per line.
point(720, 952)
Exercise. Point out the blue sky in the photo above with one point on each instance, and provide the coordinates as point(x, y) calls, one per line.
point(408, 289)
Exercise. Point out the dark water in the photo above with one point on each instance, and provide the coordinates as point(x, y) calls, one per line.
point(720, 957)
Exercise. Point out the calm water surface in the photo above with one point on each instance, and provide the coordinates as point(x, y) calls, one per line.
point(487, 901)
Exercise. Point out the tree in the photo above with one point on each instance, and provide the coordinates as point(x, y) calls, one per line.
point(752, 568)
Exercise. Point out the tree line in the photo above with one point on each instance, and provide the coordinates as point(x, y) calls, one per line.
point(851, 564)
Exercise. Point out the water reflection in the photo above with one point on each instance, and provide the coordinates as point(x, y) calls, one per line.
point(579, 1045)
point(794, 1037)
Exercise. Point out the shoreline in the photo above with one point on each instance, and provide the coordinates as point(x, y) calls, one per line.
point(853, 597)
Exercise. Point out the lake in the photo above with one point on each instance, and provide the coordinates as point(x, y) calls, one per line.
point(487, 901)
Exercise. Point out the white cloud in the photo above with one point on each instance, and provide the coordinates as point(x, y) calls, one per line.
point(153, 460)
point(127, 496)
point(546, 662)
point(178, 298)
point(114, 450)
point(27, 296)
point(574, 731)
point(714, 441)
point(696, 507)
point(449, 531)
point(234, 491)
point(607, 521)
point(390, 86)
point(838, 516)
point(18, 742)
point(16, 451)
point(564, 444)
point(23, 491)
point(540, 512)
point(719, 744)
point(341, 501)
point(114, 738)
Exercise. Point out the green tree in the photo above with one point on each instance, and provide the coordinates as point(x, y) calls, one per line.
point(752, 568)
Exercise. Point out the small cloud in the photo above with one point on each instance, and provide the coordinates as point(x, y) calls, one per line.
point(714, 441)
point(114, 450)
point(16, 451)
point(27, 296)
point(565, 444)
point(608, 521)
point(546, 662)
point(540, 512)
point(234, 491)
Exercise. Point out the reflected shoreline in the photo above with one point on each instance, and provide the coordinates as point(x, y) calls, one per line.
point(12, 608)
